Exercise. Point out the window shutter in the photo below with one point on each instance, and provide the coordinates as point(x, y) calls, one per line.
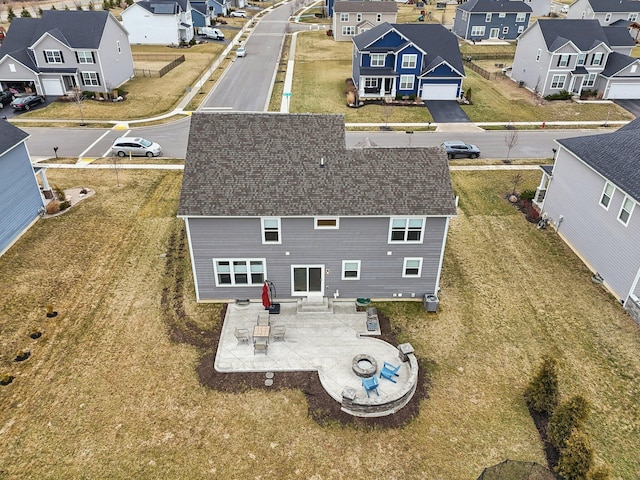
point(559, 58)
point(98, 78)
point(46, 60)
point(61, 57)
point(77, 57)
point(93, 57)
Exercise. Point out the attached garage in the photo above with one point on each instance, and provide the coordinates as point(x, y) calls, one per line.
point(439, 91)
point(52, 86)
point(620, 91)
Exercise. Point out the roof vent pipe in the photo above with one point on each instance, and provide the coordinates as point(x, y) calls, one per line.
point(322, 162)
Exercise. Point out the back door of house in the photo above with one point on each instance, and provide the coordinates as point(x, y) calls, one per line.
point(307, 279)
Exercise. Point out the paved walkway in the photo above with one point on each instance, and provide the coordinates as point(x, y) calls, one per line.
point(323, 342)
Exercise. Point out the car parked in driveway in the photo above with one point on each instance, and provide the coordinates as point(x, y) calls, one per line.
point(135, 146)
point(5, 98)
point(457, 148)
point(238, 13)
point(26, 102)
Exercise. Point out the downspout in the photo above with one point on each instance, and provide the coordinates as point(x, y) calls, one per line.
point(440, 262)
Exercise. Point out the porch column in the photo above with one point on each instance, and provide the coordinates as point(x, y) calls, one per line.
point(46, 188)
point(542, 189)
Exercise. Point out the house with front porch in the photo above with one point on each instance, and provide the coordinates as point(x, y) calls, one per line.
point(353, 18)
point(591, 194)
point(478, 20)
point(576, 55)
point(421, 60)
point(64, 49)
point(283, 198)
point(160, 22)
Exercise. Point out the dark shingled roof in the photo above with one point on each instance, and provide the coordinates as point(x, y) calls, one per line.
point(491, 6)
point(269, 164)
point(10, 136)
point(615, 5)
point(616, 62)
point(613, 155)
point(619, 36)
point(585, 34)
point(365, 7)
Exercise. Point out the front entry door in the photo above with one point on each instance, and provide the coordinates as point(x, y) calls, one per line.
point(307, 279)
point(494, 33)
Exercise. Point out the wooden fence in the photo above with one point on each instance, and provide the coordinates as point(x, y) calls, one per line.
point(174, 61)
point(481, 71)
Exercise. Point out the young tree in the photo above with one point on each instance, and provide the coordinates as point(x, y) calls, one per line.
point(576, 458)
point(105, 5)
point(40, 11)
point(78, 6)
point(511, 140)
point(53, 7)
point(10, 14)
point(25, 13)
point(66, 7)
point(567, 417)
point(541, 394)
point(91, 6)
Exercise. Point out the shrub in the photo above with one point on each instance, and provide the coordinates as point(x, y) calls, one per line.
point(6, 379)
point(528, 194)
point(53, 207)
point(541, 394)
point(589, 93)
point(412, 96)
point(25, 13)
point(563, 95)
point(398, 96)
point(64, 205)
point(576, 458)
point(106, 6)
point(567, 417)
point(10, 14)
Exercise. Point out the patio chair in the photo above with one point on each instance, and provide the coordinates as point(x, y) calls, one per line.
point(242, 334)
point(263, 318)
point(278, 332)
point(260, 345)
point(369, 384)
point(389, 371)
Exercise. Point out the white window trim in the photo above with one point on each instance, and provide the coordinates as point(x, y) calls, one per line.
point(538, 54)
point(85, 57)
point(564, 60)
point(521, 29)
point(487, 17)
point(607, 17)
point(590, 80)
point(91, 80)
point(233, 280)
point(344, 263)
point(404, 267)
point(348, 30)
point(378, 17)
point(377, 56)
point(409, 60)
point(505, 30)
point(263, 231)
point(358, 17)
point(323, 227)
point(344, 17)
point(406, 230)
point(560, 87)
point(502, 15)
point(604, 191)
point(633, 205)
point(403, 81)
point(478, 31)
point(582, 58)
point(370, 82)
point(600, 57)
point(521, 17)
point(633, 17)
point(51, 56)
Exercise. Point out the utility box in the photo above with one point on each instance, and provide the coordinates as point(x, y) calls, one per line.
point(430, 303)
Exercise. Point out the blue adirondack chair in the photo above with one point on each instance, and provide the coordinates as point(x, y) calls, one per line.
point(369, 384)
point(389, 371)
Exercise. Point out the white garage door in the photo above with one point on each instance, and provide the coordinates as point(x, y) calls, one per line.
point(52, 86)
point(439, 91)
point(624, 90)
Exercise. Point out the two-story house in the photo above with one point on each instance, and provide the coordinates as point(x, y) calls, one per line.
point(159, 22)
point(491, 19)
point(407, 59)
point(607, 12)
point(539, 8)
point(353, 18)
point(280, 197)
point(573, 55)
point(591, 194)
point(66, 49)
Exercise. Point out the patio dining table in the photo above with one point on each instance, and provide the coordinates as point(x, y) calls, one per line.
point(261, 331)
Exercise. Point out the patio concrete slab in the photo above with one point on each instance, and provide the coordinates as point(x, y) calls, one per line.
point(325, 342)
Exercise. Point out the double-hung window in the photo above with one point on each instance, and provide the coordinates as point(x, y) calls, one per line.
point(607, 193)
point(90, 79)
point(409, 60)
point(406, 82)
point(557, 81)
point(563, 61)
point(406, 230)
point(239, 272)
point(377, 59)
point(271, 230)
point(626, 210)
point(505, 30)
point(597, 58)
point(85, 57)
point(590, 80)
point(632, 17)
point(607, 18)
point(351, 270)
point(53, 56)
point(487, 18)
point(412, 267)
point(582, 57)
point(521, 17)
point(344, 17)
point(349, 30)
point(477, 31)
point(358, 17)
point(378, 17)
point(370, 82)
point(538, 54)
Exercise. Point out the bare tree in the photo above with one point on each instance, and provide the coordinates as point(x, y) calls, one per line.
point(511, 139)
point(78, 97)
point(387, 110)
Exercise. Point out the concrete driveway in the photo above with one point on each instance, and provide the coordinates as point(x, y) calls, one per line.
point(632, 106)
point(446, 111)
point(8, 112)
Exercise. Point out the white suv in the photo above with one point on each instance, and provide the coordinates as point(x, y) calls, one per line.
point(135, 146)
point(238, 13)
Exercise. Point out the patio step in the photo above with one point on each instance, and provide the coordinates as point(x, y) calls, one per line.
point(315, 305)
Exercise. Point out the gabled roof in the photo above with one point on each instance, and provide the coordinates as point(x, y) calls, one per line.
point(606, 6)
point(432, 38)
point(612, 155)
point(495, 6)
point(618, 36)
point(164, 7)
point(365, 7)
point(10, 136)
point(200, 7)
point(584, 34)
point(616, 62)
point(269, 164)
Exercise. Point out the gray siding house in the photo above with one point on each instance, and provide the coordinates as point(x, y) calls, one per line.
point(491, 19)
point(280, 197)
point(591, 196)
point(19, 190)
point(65, 49)
point(353, 18)
point(574, 55)
point(607, 12)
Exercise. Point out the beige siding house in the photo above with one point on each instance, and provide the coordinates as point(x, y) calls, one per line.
point(353, 18)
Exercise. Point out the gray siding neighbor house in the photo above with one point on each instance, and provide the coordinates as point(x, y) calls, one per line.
point(491, 19)
point(65, 49)
point(591, 196)
point(351, 18)
point(280, 197)
point(19, 190)
point(607, 12)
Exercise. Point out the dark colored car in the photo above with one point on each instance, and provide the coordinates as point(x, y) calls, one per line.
point(26, 102)
point(5, 98)
point(457, 148)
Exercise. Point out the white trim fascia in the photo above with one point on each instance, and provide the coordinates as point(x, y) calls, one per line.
point(17, 61)
point(193, 260)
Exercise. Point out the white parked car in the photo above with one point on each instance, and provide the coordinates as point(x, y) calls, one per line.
point(124, 146)
point(241, 52)
point(238, 13)
point(565, 9)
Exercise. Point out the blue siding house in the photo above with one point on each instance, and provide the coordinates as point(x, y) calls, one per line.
point(491, 19)
point(19, 190)
point(200, 16)
point(407, 59)
point(591, 196)
point(284, 199)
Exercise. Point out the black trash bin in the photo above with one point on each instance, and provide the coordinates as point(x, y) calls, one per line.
point(430, 303)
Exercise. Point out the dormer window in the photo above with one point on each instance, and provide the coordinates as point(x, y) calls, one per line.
point(563, 61)
point(597, 58)
point(53, 56)
point(581, 59)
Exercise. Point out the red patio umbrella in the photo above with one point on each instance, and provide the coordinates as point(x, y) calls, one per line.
point(266, 301)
